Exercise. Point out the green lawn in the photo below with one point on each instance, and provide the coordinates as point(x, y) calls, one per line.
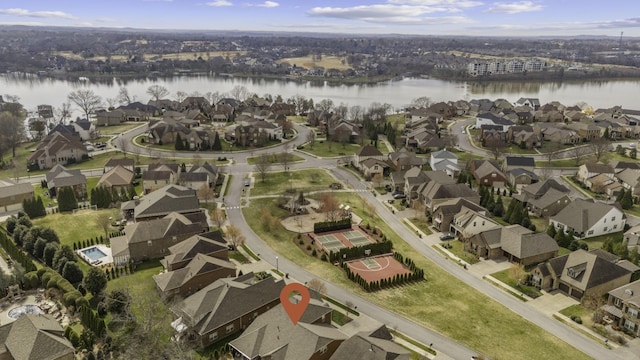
point(596, 242)
point(276, 183)
point(466, 156)
point(22, 153)
point(74, 227)
point(578, 310)
point(421, 223)
point(119, 129)
point(457, 249)
point(397, 121)
point(297, 119)
point(276, 158)
point(505, 277)
point(323, 148)
point(442, 302)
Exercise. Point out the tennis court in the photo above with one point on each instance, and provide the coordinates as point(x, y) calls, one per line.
point(330, 242)
point(357, 238)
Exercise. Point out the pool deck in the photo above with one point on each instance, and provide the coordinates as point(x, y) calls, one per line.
point(30, 299)
point(105, 260)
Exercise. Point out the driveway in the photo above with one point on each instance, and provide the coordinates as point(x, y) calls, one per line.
point(488, 267)
point(552, 302)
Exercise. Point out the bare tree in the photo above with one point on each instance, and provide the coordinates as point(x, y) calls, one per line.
point(205, 193)
point(355, 113)
point(217, 216)
point(234, 236)
point(518, 273)
point(157, 92)
point(311, 138)
point(318, 286)
point(87, 100)
point(62, 113)
point(299, 102)
point(122, 144)
point(12, 131)
point(377, 180)
point(103, 221)
point(285, 157)
point(123, 96)
point(239, 93)
point(496, 147)
point(329, 206)
point(325, 105)
point(213, 97)
point(599, 147)
point(421, 102)
point(262, 166)
point(578, 153)
point(180, 96)
point(111, 102)
point(341, 110)
point(552, 151)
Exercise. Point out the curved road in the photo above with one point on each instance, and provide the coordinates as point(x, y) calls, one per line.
point(441, 343)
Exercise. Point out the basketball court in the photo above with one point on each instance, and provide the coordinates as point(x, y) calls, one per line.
point(378, 268)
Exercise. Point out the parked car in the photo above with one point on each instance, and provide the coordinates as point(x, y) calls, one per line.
point(247, 182)
point(336, 186)
point(101, 145)
point(90, 148)
point(400, 196)
point(446, 236)
point(396, 192)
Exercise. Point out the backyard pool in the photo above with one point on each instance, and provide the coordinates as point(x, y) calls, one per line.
point(93, 253)
point(96, 255)
point(24, 309)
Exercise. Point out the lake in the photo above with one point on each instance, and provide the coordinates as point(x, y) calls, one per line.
point(34, 90)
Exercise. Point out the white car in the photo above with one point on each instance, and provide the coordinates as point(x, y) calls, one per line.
point(90, 148)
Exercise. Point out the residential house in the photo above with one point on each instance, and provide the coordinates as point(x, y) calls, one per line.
point(373, 345)
point(623, 307)
point(533, 103)
point(166, 131)
point(443, 110)
point(403, 160)
point(159, 175)
point(581, 274)
point(586, 132)
point(371, 167)
point(162, 202)
point(520, 177)
point(489, 118)
point(367, 152)
point(127, 163)
point(225, 307)
point(110, 118)
point(632, 237)
point(619, 165)
point(518, 162)
point(117, 179)
point(468, 222)
point(545, 198)
point(195, 103)
point(523, 136)
point(195, 181)
point(60, 177)
point(69, 130)
point(57, 148)
point(446, 161)
point(487, 172)
point(13, 193)
point(164, 105)
point(273, 335)
point(137, 111)
point(589, 170)
point(34, 337)
point(210, 169)
point(416, 184)
point(585, 219)
point(557, 135)
point(211, 243)
point(435, 193)
point(445, 212)
point(630, 180)
point(344, 132)
point(85, 129)
point(151, 239)
point(201, 271)
point(515, 242)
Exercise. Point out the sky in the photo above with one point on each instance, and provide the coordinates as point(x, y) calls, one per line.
point(418, 17)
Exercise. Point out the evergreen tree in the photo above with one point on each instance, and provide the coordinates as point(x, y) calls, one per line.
point(217, 144)
point(67, 199)
point(551, 231)
point(498, 209)
point(40, 209)
point(620, 196)
point(179, 145)
point(518, 213)
point(627, 200)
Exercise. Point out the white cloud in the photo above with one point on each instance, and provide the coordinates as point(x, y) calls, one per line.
point(514, 8)
point(269, 4)
point(36, 14)
point(374, 11)
point(451, 3)
point(106, 20)
point(218, 3)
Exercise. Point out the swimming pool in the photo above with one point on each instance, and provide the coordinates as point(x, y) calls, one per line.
point(24, 309)
point(93, 253)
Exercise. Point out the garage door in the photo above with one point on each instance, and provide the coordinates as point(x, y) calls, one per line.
point(577, 294)
point(564, 288)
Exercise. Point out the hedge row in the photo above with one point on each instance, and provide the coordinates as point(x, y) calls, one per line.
point(16, 253)
point(356, 252)
point(396, 280)
point(49, 278)
point(326, 226)
point(91, 320)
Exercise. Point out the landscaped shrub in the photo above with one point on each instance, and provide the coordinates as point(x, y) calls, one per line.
point(326, 226)
point(31, 280)
point(323, 257)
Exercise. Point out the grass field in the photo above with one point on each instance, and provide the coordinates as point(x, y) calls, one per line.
point(276, 158)
point(325, 148)
point(442, 302)
point(277, 183)
point(74, 227)
point(119, 129)
point(578, 310)
point(327, 62)
point(505, 277)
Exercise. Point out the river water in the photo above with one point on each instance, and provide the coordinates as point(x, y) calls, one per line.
point(34, 90)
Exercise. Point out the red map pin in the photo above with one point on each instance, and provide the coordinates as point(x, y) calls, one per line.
point(295, 310)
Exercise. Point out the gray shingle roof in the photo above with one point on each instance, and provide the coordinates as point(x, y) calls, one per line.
point(581, 215)
point(171, 198)
point(35, 337)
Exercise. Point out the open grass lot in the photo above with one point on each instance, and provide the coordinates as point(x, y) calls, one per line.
point(276, 183)
point(325, 148)
point(596, 242)
point(275, 158)
point(74, 227)
point(442, 302)
point(327, 62)
point(466, 156)
point(119, 129)
point(397, 121)
point(457, 248)
point(297, 119)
